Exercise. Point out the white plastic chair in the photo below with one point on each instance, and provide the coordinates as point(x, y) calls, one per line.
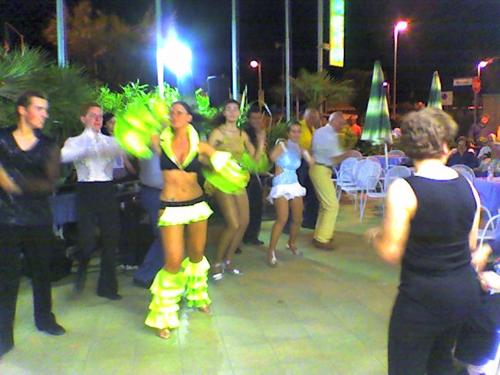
point(374, 158)
point(490, 229)
point(369, 173)
point(397, 171)
point(345, 175)
point(465, 171)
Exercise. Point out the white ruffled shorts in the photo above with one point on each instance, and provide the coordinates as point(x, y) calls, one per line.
point(287, 191)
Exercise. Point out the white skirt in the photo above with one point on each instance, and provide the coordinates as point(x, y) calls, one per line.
point(287, 191)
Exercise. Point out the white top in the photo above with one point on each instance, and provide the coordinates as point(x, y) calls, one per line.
point(150, 172)
point(325, 145)
point(93, 155)
point(484, 150)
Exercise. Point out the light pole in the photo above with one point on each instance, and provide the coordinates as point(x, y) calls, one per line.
point(254, 64)
point(400, 26)
point(481, 65)
point(159, 45)
point(235, 49)
point(288, 60)
point(61, 34)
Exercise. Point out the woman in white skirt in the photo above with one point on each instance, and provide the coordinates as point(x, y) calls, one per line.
point(286, 192)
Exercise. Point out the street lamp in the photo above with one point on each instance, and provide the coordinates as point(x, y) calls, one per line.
point(176, 56)
point(400, 26)
point(254, 64)
point(481, 65)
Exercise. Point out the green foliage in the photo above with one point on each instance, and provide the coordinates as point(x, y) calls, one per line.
point(278, 131)
point(109, 100)
point(347, 138)
point(244, 107)
point(203, 104)
point(134, 92)
point(318, 88)
point(367, 149)
point(66, 88)
point(17, 70)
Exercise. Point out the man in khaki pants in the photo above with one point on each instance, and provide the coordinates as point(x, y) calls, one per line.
point(327, 153)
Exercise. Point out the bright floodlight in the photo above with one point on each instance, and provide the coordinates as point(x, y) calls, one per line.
point(254, 64)
point(482, 64)
point(177, 56)
point(401, 26)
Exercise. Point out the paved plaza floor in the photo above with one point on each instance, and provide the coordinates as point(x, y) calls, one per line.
point(321, 313)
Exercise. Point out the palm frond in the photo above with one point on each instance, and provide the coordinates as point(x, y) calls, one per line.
point(319, 87)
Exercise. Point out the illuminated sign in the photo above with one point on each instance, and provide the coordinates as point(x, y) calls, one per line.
point(337, 23)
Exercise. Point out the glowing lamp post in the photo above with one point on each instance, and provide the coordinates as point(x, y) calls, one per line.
point(476, 86)
point(480, 66)
point(385, 87)
point(400, 26)
point(177, 57)
point(254, 64)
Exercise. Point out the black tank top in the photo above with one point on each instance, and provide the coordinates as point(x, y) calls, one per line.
point(439, 231)
point(167, 164)
point(436, 272)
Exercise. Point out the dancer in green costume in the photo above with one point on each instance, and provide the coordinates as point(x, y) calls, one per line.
point(184, 210)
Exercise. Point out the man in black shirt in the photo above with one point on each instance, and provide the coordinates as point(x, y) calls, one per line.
point(29, 168)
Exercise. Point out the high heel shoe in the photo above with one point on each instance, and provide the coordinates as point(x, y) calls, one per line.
point(272, 260)
point(217, 272)
point(228, 268)
point(293, 249)
point(163, 333)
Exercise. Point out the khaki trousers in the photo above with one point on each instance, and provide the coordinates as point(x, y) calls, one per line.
point(321, 177)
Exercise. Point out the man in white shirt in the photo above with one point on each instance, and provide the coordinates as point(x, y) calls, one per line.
point(327, 153)
point(93, 155)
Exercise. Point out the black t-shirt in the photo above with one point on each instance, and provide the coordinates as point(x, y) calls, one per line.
point(35, 171)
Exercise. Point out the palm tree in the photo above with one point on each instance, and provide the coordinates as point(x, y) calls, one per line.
point(66, 88)
point(320, 88)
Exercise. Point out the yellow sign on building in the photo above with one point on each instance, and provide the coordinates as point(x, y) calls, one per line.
point(337, 25)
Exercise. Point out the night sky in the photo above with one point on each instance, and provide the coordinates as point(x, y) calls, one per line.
point(446, 35)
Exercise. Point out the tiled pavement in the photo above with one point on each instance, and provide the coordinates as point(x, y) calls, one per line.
point(322, 313)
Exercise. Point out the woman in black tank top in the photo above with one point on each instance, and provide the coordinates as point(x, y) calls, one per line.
point(430, 226)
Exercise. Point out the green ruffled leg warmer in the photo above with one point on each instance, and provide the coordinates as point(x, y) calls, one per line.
point(196, 284)
point(167, 290)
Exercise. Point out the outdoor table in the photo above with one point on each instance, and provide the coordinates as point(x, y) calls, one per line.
point(489, 192)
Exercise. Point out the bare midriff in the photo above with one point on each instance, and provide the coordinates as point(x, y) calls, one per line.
point(180, 186)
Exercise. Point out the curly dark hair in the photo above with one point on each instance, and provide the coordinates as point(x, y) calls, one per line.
point(424, 132)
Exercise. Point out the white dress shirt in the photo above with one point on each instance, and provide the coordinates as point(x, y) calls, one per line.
point(325, 145)
point(93, 155)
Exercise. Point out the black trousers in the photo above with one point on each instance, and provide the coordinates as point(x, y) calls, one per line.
point(419, 342)
point(254, 191)
point(311, 204)
point(97, 206)
point(479, 338)
point(35, 244)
